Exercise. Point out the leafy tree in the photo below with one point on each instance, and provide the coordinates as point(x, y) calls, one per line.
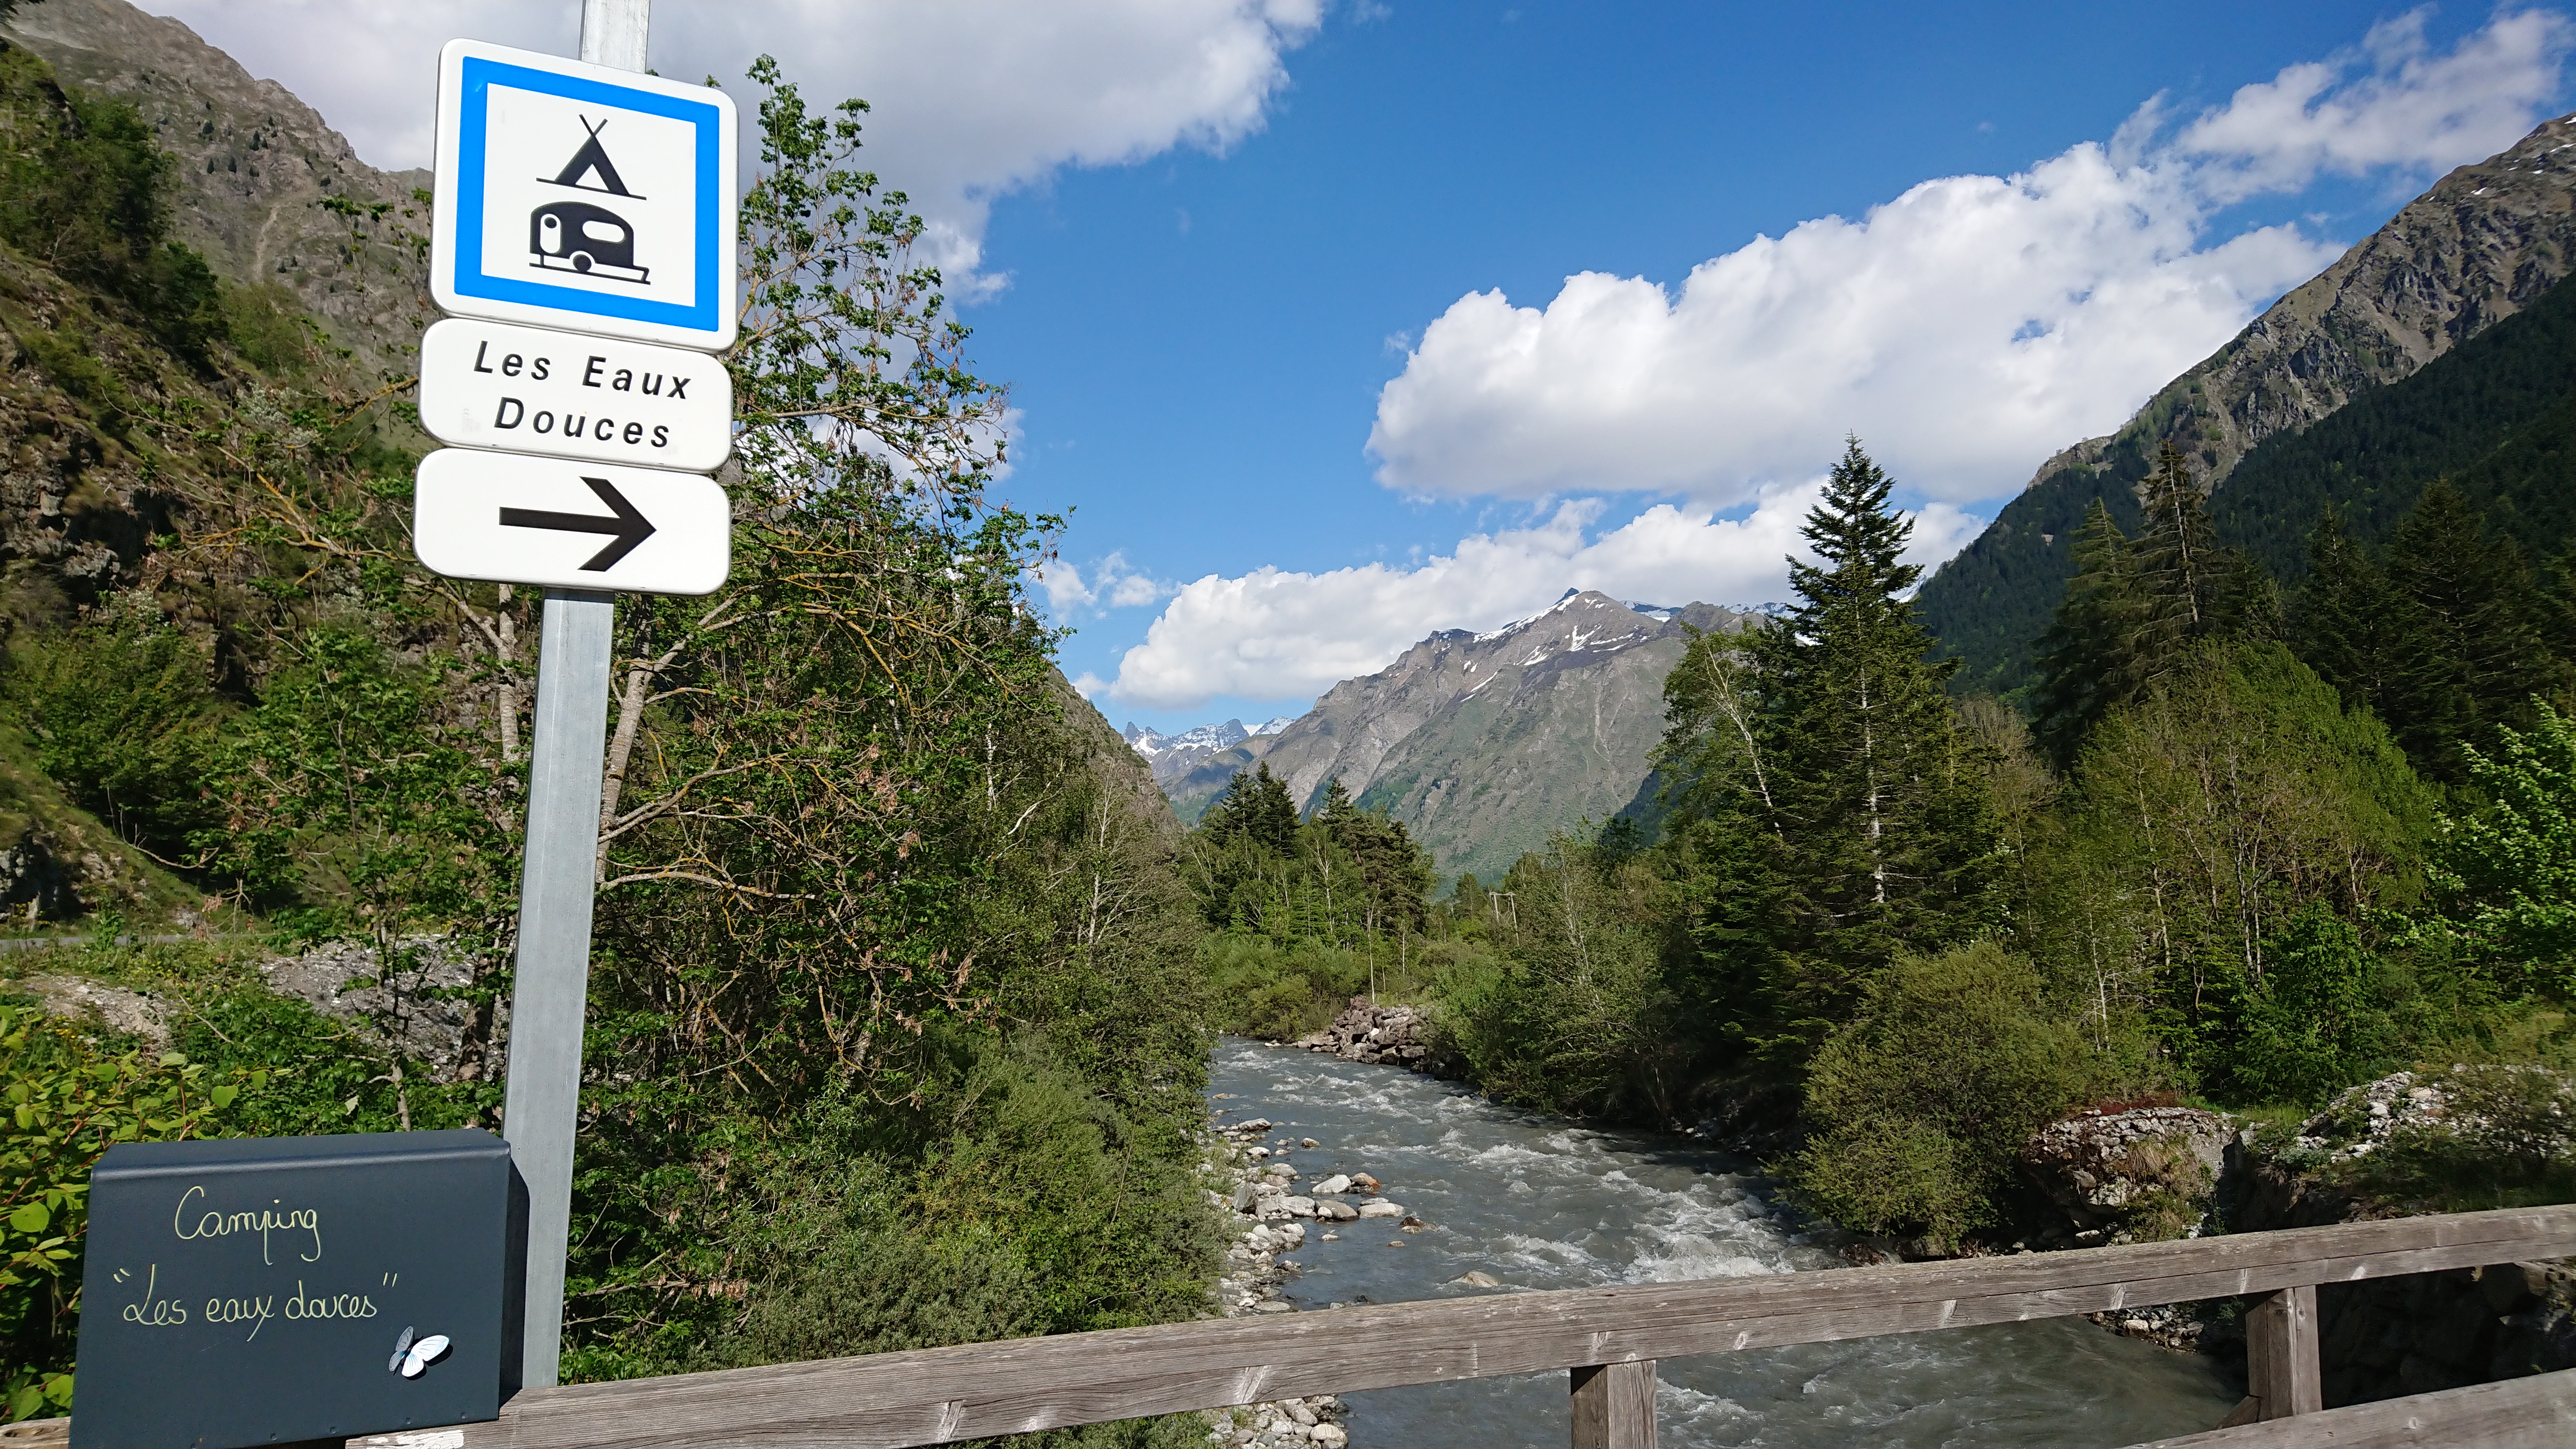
point(2208, 815)
point(2504, 878)
point(2312, 1023)
point(1921, 1104)
point(1574, 1015)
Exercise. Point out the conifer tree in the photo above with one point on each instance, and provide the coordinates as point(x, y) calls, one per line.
point(2341, 629)
point(2136, 611)
point(2467, 648)
point(2176, 565)
point(2082, 654)
point(1256, 807)
point(1882, 812)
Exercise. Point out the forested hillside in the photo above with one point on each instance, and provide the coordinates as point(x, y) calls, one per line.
point(896, 1031)
point(2483, 245)
point(2266, 841)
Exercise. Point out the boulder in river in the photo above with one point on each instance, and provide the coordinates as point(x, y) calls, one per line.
point(1298, 1207)
point(1335, 1183)
point(2136, 1175)
point(1395, 1036)
point(1335, 1210)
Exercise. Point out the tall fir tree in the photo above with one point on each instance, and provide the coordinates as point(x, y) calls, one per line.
point(2082, 654)
point(2177, 567)
point(2137, 610)
point(2467, 647)
point(2341, 627)
point(1877, 794)
point(1256, 807)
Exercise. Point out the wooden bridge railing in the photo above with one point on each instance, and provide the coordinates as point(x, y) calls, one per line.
point(1609, 1338)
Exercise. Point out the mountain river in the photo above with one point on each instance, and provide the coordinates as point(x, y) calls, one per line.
point(1539, 1202)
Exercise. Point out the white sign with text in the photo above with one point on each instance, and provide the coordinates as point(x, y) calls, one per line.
point(533, 390)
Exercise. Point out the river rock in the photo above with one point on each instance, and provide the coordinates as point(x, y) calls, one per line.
point(1477, 1279)
point(1335, 1183)
point(1397, 1036)
point(1380, 1209)
point(2140, 1174)
point(1335, 1210)
point(1298, 1207)
point(1244, 1196)
point(1364, 1182)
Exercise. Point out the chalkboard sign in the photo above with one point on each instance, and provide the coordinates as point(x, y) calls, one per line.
point(269, 1289)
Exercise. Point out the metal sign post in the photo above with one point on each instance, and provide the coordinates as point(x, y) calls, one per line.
point(581, 217)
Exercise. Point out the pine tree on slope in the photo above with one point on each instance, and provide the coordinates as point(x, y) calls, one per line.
point(1887, 833)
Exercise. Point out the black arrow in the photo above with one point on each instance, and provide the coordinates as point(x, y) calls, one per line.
point(630, 525)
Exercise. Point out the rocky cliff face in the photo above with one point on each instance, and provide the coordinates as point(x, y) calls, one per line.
point(2474, 250)
point(1484, 743)
point(255, 169)
point(2480, 246)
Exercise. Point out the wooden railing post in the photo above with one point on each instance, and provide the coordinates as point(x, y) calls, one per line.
point(2282, 1373)
point(1614, 1405)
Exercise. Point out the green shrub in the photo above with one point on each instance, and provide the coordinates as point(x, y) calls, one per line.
point(1261, 988)
point(69, 1098)
point(1921, 1105)
point(2312, 1024)
point(123, 719)
point(2506, 1138)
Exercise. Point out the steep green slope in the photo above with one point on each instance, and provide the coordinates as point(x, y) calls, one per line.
point(2494, 414)
point(2485, 243)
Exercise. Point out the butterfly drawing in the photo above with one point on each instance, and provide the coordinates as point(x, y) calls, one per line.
point(412, 1355)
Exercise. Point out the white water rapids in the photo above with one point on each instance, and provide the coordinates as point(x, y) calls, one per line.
point(1539, 1202)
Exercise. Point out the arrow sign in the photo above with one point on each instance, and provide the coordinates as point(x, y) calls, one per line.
point(504, 517)
point(629, 527)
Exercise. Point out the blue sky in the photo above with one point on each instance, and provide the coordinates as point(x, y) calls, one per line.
point(1281, 287)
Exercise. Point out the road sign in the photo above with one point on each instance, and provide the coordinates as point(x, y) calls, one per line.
point(516, 519)
point(573, 195)
point(528, 389)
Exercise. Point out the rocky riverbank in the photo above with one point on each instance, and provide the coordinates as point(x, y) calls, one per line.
point(1393, 1036)
point(1256, 1174)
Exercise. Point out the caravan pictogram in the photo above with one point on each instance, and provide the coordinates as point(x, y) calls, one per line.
point(579, 236)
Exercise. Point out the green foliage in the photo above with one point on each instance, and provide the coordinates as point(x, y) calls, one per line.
point(2209, 815)
point(2506, 1138)
point(1279, 991)
point(69, 1097)
point(2137, 608)
point(1922, 1103)
point(2312, 1022)
point(1569, 1012)
point(1256, 806)
point(85, 189)
point(2504, 879)
point(1827, 732)
point(122, 717)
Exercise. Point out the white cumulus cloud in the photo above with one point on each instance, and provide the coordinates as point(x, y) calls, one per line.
point(970, 101)
point(1113, 584)
point(1282, 634)
point(1966, 329)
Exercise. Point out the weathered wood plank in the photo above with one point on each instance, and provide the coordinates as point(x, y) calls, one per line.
point(2282, 1367)
point(1614, 1405)
point(936, 1395)
point(2529, 1413)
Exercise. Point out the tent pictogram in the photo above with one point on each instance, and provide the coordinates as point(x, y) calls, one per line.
point(578, 236)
